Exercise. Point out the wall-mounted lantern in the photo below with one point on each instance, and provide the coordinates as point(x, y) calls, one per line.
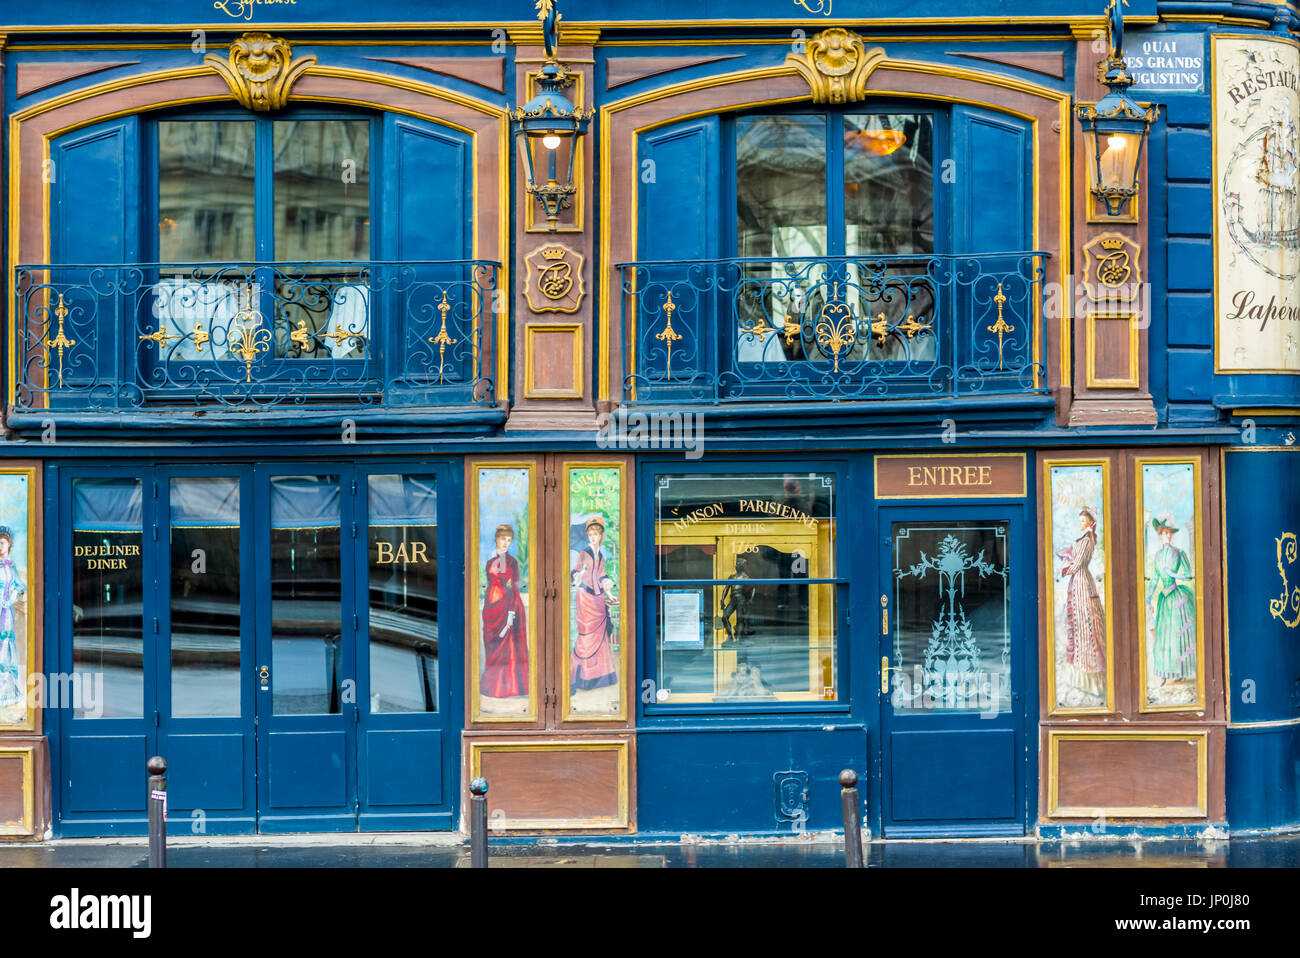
point(1116, 127)
point(550, 128)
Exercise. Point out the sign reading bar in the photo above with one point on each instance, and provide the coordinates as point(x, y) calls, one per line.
point(972, 476)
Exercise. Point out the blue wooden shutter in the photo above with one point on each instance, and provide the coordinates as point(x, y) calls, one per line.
point(993, 214)
point(678, 218)
point(427, 215)
point(95, 222)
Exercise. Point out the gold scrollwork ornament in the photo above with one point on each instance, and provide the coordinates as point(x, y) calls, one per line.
point(836, 64)
point(837, 327)
point(61, 341)
point(1001, 327)
point(260, 70)
point(1290, 599)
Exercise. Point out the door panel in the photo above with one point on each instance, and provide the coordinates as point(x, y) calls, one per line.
point(105, 772)
point(205, 647)
point(954, 643)
point(408, 679)
point(306, 676)
point(108, 731)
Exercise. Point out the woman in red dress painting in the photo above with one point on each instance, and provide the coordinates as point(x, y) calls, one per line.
point(505, 624)
point(593, 594)
point(1085, 648)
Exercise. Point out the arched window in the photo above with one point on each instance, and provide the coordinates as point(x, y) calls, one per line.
point(849, 253)
point(238, 259)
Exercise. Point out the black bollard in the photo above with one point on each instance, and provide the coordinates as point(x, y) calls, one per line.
point(852, 820)
point(478, 844)
point(157, 767)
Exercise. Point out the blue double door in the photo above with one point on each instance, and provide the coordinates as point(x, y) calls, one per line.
point(273, 632)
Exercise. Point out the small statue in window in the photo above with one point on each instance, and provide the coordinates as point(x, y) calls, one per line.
point(747, 683)
point(735, 614)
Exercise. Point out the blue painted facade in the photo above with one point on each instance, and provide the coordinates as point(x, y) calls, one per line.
point(84, 91)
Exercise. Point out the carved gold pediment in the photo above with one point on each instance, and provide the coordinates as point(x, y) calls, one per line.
point(260, 70)
point(836, 64)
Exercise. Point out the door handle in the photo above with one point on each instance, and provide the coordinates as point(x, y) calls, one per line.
point(264, 678)
point(885, 669)
point(884, 614)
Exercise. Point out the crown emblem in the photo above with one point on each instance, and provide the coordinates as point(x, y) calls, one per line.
point(553, 252)
point(1112, 243)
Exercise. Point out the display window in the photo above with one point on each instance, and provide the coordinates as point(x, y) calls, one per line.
point(746, 601)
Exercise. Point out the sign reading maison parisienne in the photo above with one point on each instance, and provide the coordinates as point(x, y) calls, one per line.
point(1257, 228)
point(971, 476)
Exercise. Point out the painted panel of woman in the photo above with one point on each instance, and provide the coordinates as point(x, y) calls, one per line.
point(11, 591)
point(1172, 607)
point(505, 624)
point(1085, 618)
point(593, 654)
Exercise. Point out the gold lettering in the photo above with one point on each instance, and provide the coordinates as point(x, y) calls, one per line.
point(384, 554)
point(914, 475)
point(418, 553)
point(986, 475)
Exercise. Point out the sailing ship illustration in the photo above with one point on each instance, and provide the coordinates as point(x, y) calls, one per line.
point(1278, 175)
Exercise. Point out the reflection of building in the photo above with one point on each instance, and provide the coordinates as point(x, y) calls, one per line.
point(812, 373)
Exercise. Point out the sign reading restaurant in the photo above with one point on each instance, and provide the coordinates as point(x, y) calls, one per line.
point(1257, 213)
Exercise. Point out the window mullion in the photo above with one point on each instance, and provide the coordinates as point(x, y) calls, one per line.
point(835, 226)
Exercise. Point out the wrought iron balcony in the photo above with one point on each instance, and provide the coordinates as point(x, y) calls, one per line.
point(834, 327)
point(99, 339)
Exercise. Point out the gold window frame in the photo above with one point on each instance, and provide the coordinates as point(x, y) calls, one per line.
point(627, 588)
point(474, 624)
point(1049, 589)
point(775, 533)
point(1198, 571)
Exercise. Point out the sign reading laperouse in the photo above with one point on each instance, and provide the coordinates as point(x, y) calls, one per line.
point(1257, 228)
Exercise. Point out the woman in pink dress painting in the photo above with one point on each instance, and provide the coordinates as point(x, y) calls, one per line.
point(1085, 649)
point(505, 624)
point(592, 662)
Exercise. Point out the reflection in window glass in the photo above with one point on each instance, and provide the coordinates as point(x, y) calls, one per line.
point(747, 611)
point(952, 638)
point(403, 562)
point(108, 597)
point(888, 184)
point(321, 212)
point(322, 215)
point(306, 596)
point(205, 620)
point(781, 186)
point(205, 191)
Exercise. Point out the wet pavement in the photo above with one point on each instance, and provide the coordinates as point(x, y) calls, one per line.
point(1269, 852)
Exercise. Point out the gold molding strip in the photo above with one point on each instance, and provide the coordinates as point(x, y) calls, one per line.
point(1200, 738)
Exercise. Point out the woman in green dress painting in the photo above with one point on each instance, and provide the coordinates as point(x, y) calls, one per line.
point(1171, 605)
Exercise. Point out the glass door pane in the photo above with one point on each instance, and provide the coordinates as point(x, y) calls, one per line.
point(108, 596)
point(403, 577)
point(205, 597)
point(306, 595)
point(952, 637)
point(322, 216)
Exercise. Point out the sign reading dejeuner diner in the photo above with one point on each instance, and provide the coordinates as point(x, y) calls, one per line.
point(1257, 213)
point(970, 476)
